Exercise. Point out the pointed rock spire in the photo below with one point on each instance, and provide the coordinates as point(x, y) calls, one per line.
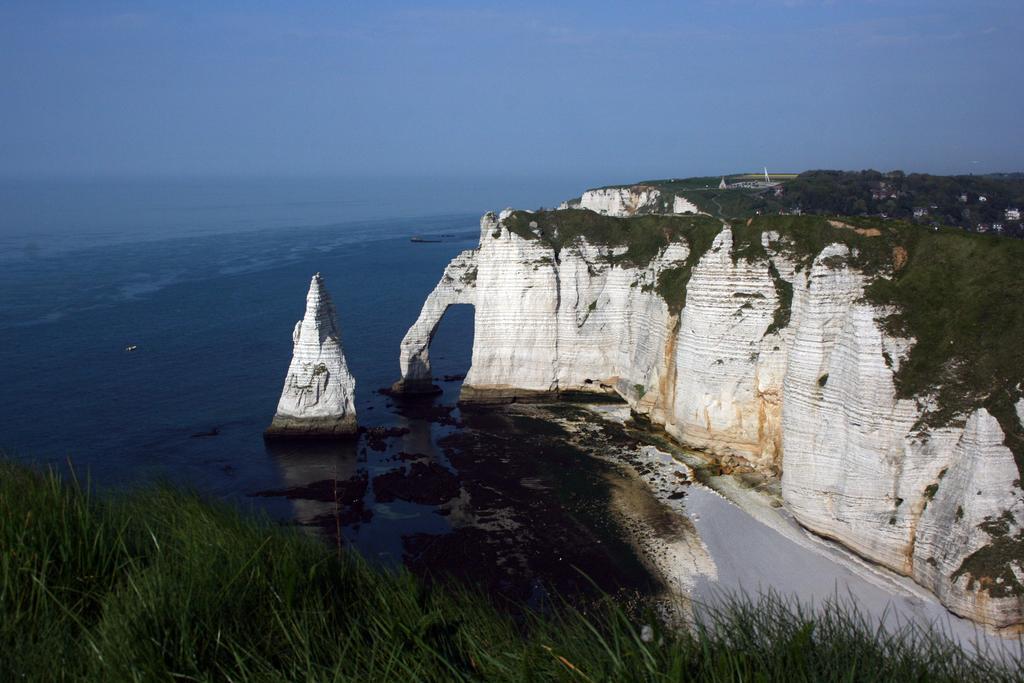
point(318, 399)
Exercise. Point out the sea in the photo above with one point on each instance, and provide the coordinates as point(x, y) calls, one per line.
point(145, 334)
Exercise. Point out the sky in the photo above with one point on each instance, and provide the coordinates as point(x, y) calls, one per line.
point(614, 90)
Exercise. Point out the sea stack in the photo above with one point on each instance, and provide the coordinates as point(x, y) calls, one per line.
point(318, 396)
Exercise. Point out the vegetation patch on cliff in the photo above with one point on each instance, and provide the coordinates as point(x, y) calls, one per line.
point(961, 297)
point(784, 309)
point(990, 568)
point(641, 236)
point(669, 185)
point(802, 239)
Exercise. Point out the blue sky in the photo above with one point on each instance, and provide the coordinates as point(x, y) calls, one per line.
point(607, 90)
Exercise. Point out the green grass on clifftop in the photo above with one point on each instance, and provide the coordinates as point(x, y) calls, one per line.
point(644, 236)
point(961, 296)
point(162, 586)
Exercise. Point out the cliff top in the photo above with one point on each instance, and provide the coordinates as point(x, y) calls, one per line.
point(977, 203)
point(643, 236)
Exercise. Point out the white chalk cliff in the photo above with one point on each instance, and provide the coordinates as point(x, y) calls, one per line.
point(812, 397)
point(318, 399)
point(629, 201)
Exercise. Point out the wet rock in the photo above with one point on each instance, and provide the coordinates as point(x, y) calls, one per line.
point(376, 437)
point(419, 409)
point(423, 483)
point(347, 494)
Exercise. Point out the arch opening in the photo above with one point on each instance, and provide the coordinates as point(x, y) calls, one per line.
point(457, 286)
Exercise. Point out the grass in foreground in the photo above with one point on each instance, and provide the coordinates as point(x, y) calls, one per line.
point(160, 585)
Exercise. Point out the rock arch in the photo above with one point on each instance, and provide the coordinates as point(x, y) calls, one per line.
point(457, 286)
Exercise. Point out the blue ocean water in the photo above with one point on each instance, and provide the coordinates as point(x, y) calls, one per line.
point(210, 303)
point(43, 216)
point(212, 319)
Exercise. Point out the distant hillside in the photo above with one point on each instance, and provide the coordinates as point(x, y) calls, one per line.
point(977, 203)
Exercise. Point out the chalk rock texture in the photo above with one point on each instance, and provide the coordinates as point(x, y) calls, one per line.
point(683, 205)
point(621, 201)
point(809, 395)
point(318, 399)
point(630, 201)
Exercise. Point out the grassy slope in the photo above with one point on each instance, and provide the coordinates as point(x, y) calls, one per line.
point(162, 586)
point(734, 204)
point(674, 184)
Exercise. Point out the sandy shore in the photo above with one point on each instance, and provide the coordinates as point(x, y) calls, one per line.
point(732, 534)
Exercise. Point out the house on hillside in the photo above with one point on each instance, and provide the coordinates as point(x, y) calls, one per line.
point(722, 185)
point(997, 228)
point(1012, 214)
point(920, 212)
point(963, 197)
point(883, 191)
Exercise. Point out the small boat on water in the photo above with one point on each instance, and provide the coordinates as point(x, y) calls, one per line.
point(423, 239)
point(130, 348)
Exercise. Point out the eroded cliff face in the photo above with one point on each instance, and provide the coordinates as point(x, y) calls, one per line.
point(768, 363)
point(630, 201)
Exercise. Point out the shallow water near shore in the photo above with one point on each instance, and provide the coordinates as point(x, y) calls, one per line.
point(514, 501)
